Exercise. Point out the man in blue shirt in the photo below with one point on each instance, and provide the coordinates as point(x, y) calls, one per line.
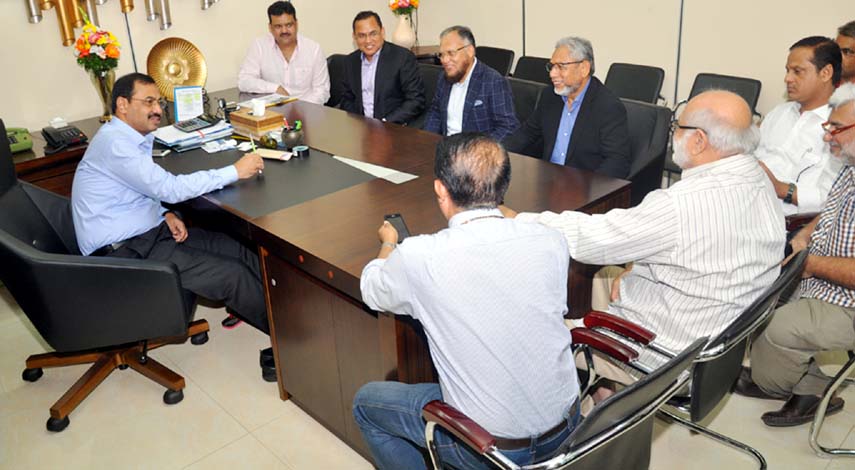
point(116, 206)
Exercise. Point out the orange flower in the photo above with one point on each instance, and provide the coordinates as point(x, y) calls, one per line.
point(112, 51)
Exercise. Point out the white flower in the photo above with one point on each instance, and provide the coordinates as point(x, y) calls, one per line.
point(99, 51)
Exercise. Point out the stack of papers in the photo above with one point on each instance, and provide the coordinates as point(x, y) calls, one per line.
point(181, 141)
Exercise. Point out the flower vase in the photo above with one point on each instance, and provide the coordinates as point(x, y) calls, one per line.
point(103, 82)
point(404, 35)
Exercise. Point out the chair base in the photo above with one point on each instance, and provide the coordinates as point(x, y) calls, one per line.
point(819, 418)
point(103, 364)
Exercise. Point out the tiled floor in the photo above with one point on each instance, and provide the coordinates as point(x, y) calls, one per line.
point(230, 418)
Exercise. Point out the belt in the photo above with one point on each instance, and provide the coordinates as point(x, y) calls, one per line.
point(509, 444)
point(109, 249)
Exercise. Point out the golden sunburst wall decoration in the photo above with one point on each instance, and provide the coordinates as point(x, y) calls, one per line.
point(176, 62)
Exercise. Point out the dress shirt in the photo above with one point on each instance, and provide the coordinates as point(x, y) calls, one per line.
point(791, 146)
point(704, 249)
point(565, 127)
point(305, 76)
point(834, 235)
point(369, 70)
point(118, 188)
point(491, 294)
point(456, 102)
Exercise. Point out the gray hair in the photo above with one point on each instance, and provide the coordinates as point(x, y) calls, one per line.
point(844, 95)
point(580, 49)
point(722, 135)
point(463, 31)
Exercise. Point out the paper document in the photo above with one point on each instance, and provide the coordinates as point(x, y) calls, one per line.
point(388, 174)
point(269, 100)
point(274, 154)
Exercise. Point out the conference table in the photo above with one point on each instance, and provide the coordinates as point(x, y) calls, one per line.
point(315, 220)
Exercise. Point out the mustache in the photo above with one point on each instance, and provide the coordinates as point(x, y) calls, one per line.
point(157, 115)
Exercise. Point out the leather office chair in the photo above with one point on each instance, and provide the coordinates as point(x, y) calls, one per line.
point(635, 82)
point(716, 368)
point(616, 434)
point(649, 126)
point(335, 65)
point(497, 58)
point(526, 96)
point(106, 311)
point(533, 69)
point(430, 74)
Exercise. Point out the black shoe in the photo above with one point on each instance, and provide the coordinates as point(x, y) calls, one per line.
point(800, 409)
point(265, 358)
point(268, 374)
point(746, 387)
point(230, 322)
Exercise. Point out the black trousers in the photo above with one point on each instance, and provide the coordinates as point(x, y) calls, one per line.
point(211, 264)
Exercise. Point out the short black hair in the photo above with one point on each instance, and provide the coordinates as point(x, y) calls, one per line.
point(463, 31)
point(124, 86)
point(825, 52)
point(475, 168)
point(364, 15)
point(847, 30)
point(280, 8)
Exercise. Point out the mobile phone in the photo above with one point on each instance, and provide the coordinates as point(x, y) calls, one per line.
point(160, 152)
point(397, 221)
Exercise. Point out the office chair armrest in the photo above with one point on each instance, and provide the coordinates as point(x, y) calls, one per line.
point(457, 423)
point(604, 344)
point(797, 221)
point(623, 327)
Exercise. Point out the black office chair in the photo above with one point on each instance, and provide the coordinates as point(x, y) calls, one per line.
point(498, 59)
point(716, 368)
point(106, 311)
point(649, 126)
point(635, 82)
point(616, 434)
point(532, 69)
point(336, 67)
point(430, 74)
point(526, 96)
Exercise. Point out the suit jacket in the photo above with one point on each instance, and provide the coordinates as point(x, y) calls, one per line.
point(489, 106)
point(399, 94)
point(600, 138)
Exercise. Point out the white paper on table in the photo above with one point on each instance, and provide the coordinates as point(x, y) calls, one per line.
point(388, 174)
point(188, 102)
point(269, 100)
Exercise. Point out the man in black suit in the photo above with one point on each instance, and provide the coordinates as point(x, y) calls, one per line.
point(580, 123)
point(381, 79)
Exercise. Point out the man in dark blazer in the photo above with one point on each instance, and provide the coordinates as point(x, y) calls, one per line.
point(470, 97)
point(580, 123)
point(381, 79)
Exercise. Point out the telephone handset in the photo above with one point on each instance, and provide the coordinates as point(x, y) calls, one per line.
point(60, 138)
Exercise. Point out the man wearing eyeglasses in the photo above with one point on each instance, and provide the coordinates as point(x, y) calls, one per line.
point(381, 79)
point(117, 198)
point(782, 357)
point(791, 148)
point(580, 122)
point(846, 41)
point(471, 96)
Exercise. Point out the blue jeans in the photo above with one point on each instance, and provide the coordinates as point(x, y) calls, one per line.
point(389, 414)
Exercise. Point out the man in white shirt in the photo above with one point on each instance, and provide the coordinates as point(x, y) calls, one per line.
point(284, 61)
point(846, 41)
point(703, 249)
point(491, 294)
point(791, 149)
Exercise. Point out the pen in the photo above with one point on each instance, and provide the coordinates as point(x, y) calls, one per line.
point(252, 142)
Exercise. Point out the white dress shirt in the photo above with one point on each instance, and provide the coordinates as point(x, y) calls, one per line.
point(491, 294)
point(456, 103)
point(791, 146)
point(704, 249)
point(305, 76)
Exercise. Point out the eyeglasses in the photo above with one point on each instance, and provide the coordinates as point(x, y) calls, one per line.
point(675, 124)
point(562, 66)
point(451, 54)
point(370, 35)
point(149, 102)
point(833, 129)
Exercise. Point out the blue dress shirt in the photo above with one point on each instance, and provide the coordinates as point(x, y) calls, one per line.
point(565, 127)
point(369, 70)
point(118, 189)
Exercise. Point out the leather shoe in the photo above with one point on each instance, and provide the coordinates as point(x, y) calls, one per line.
point(800, 409)
point(268, 365)
point(746, 387)
point(230, 322)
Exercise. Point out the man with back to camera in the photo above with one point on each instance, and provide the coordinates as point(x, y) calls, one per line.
point(381, 79)
point(580, 122)
point(491, 294)
point(470, 96)
point(782, 357)
point(846, 41)
point(791, 149)
point(284, 61)
point(116, 203)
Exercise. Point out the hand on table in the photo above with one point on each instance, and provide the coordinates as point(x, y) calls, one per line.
point(249, 165)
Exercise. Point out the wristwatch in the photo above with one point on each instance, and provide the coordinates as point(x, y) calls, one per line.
point(788, 199)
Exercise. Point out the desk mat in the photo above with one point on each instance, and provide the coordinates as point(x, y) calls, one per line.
point(283, 184)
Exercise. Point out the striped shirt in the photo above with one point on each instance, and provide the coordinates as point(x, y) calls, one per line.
point(834, 235)
point(702, 249)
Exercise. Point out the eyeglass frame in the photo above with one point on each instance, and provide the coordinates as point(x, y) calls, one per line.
point(675, 124)
point(826, 127)
point(149, 102)
point(562, 66)
point(450, 54)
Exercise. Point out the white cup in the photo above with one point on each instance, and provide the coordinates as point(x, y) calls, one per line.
point(258, 107)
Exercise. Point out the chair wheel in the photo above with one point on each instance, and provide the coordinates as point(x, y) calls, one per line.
point(199, 338)
point(31, 375)
point(57, 425)
point(171, 397)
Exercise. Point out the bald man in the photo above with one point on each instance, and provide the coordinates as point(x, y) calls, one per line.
point(701, 250)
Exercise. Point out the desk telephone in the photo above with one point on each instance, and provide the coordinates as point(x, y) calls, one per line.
point(19, 139)
point(62, 137)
